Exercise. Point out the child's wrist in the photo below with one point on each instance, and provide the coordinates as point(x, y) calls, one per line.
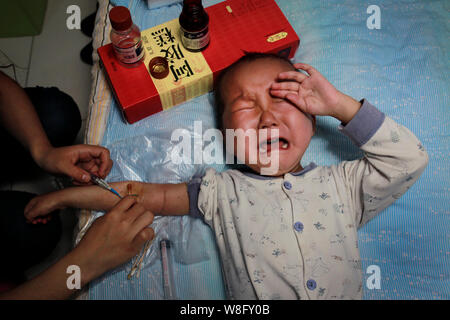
point(63, 199)
point(346, 108)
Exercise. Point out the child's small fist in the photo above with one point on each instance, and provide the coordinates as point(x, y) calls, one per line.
point(39, 208)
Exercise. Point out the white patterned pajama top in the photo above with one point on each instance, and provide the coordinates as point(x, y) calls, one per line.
point(295, 237)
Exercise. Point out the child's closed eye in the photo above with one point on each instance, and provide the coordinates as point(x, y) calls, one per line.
point(242, 107)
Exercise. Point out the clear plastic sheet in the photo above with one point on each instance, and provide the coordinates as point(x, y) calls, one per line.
point(149, 158)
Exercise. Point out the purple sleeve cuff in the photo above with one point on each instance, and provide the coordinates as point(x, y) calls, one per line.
point(364, 124)
point(193, 191)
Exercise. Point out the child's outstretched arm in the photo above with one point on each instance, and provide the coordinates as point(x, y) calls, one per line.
point(161, 199)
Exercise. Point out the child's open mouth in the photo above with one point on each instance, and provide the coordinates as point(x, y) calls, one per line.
point(274, 143)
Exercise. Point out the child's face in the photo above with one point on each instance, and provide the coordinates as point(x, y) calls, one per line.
point(249, 105)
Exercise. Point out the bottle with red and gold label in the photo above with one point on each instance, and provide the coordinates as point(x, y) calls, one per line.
point(194, 25)
point(125, 37)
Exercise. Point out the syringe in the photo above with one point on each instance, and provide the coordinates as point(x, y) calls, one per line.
point(102, 183)
point(168, 281)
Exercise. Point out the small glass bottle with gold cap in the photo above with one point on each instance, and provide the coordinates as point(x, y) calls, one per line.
point(125, 37)
point(194, 25)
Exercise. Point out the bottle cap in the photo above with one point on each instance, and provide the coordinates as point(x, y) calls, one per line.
point(159, 67)
point(120, 18)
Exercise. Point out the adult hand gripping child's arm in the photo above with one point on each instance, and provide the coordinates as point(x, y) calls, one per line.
point(160, 199)
point(111, 240)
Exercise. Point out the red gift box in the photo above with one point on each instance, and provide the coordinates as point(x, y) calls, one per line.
point(236, 27)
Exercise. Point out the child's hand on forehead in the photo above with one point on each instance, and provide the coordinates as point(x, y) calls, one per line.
point(311, 93)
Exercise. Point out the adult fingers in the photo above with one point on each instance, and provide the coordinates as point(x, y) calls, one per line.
point(78, 174)
point(306, 67)
point(91, 166)
point(106, 162)
point(123, 206)
point(98, 156)
point(134, 212)
point(87, 151)
point(143, 236)
point(105, 168)
point(141, 222)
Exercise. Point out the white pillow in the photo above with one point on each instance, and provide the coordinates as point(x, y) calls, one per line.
point(153, 4)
